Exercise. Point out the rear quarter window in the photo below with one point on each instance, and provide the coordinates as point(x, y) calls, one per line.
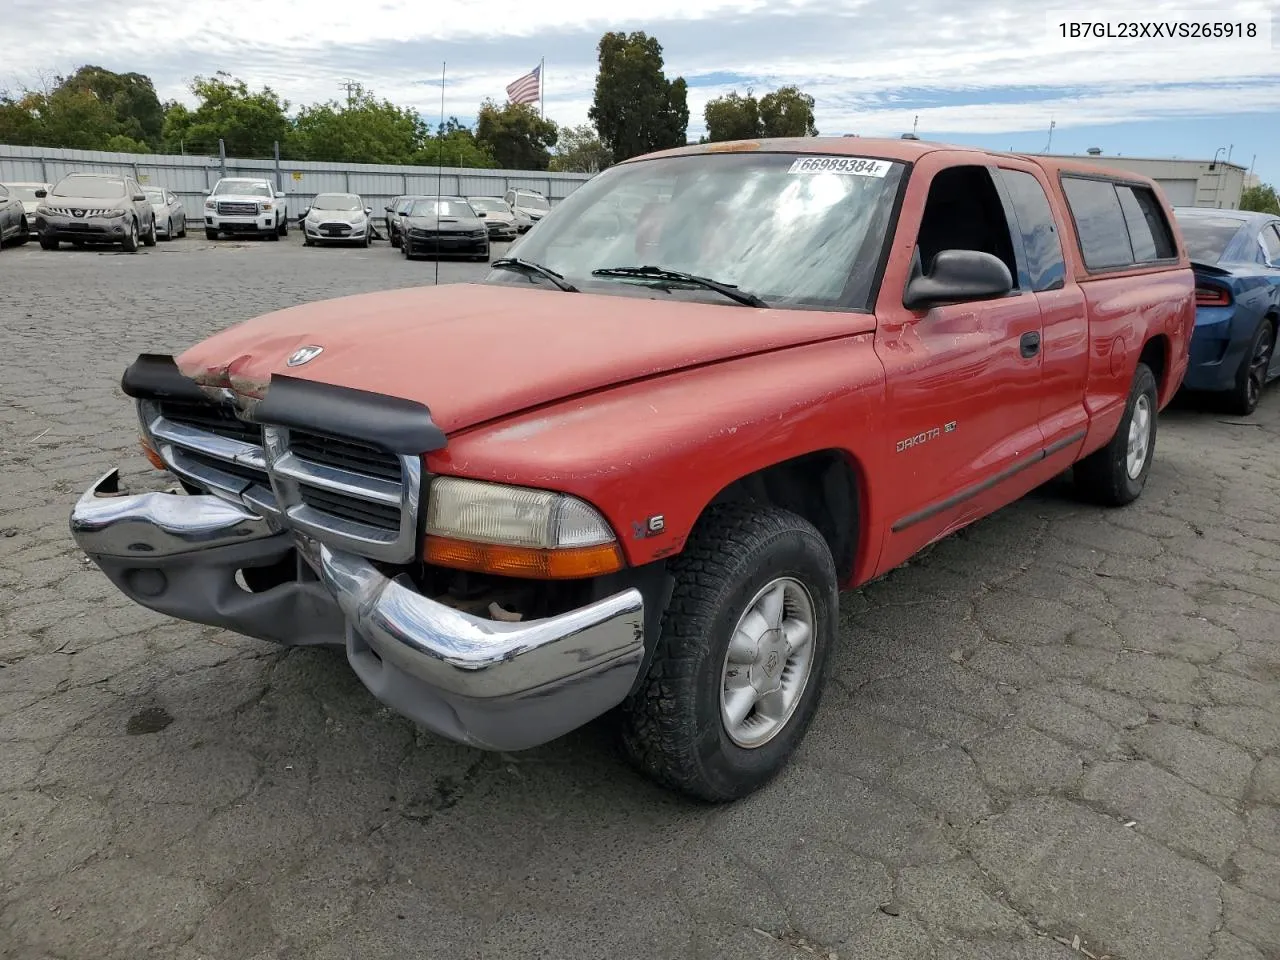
point(1100, 223)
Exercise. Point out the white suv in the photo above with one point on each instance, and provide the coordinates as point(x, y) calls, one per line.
point(529, 206)
point(245, 205)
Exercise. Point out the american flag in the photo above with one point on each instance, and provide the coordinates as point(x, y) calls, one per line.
point(526, 89)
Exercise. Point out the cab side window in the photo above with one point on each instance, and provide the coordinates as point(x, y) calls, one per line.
point(964, 212)
point(1270, 240)
point(1038, 228)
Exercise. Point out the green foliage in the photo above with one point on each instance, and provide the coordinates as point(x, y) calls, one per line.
point(579, 150)
point(365, 130)
point(92, 109)
point(516, 136)
point(454, 145)
point(1261, 198)
point(636, 109)
point(250, 122)
point(786, 112)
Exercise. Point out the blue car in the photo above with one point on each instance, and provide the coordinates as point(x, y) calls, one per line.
point(1236, 258)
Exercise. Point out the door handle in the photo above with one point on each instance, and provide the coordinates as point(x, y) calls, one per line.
point(1029, 344)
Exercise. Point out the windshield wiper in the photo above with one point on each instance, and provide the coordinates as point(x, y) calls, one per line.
point(661, 273)
point(528, 266)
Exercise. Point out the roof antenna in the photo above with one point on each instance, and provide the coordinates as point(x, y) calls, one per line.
point(439, 172)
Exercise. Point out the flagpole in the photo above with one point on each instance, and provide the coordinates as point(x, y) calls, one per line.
point(542, 89)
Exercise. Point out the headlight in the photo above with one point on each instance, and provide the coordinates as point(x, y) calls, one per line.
point(516, 531)
point(114, 214)
point(210, 204)
point(43, 210)
point(265, 206)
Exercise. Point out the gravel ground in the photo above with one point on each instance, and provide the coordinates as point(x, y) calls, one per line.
point(1060, 727)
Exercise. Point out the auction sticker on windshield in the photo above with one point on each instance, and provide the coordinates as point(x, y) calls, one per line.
point(853, 166)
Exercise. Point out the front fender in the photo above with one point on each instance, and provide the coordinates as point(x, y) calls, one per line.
point(665, 447)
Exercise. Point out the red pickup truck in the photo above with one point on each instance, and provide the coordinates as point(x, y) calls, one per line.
point(629, 472)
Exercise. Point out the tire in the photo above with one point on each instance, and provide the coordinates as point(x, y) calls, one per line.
point(1251, 379)
point(1104, 476)
point(404, 249)
point(394, 239)
point(210, 234)
point(183, 234)
point(364, 242)
point(168, 230)
point(48, 243)
point(149, 238)
point(284, 226)
point(130, 243)
point(674, 728)
point(307, 241)
point(26, 233)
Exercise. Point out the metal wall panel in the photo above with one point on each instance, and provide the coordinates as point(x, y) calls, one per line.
point(190, 176)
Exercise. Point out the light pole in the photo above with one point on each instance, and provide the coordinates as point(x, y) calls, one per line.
point(1217, 183)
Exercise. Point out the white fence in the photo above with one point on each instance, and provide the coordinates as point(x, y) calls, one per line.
point(190, 176)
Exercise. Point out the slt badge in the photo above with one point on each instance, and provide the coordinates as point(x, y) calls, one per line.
point(303, 355)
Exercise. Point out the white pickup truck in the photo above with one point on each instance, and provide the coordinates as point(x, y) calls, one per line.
point(245, 205)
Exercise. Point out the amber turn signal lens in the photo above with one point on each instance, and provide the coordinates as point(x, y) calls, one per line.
point(566, 563)
point(156, 460)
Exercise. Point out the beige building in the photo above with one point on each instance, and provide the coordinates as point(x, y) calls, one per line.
point(1187, 183)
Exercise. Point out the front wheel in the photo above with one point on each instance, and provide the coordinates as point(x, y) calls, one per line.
point(284, 227)
point(48, 243)
point(1116, 474)
point(149, 238)
point(168, 229)
point(130, 242)
point(210, 234)
point(1252, 377)
point(739, 667)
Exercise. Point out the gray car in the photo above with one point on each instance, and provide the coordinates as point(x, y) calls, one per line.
point(13, 218)
point(95, 208)
point(443, 225)
point(502, 221)
point(171, 215)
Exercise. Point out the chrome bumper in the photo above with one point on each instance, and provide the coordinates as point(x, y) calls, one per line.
point(490, 684)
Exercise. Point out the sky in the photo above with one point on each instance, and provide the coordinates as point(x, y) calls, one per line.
point(991, 73)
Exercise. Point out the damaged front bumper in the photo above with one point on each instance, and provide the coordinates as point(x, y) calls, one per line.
point(490, 684)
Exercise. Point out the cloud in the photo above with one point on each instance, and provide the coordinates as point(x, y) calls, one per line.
point(985, 66)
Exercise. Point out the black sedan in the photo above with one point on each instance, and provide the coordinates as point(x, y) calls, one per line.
point(443, 225)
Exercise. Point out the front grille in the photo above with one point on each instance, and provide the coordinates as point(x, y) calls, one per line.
point(217, 420)
point(237, 208)
point(379, 515)
point(80, 212)
point(336, 228)
point(243, 471)
point(345, 455)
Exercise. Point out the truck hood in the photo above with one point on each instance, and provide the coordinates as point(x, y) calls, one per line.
point(474, 352)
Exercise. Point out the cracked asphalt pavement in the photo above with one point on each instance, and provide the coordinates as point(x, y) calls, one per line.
point(1055, 735)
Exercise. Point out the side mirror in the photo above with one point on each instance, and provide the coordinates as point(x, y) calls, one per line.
point(41, 194)
point(368, 210)
point(957, 276)
point(388, 209)
point(207, 191)
point(139, 196)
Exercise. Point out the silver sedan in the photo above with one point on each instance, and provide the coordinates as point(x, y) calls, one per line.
point(171, 216)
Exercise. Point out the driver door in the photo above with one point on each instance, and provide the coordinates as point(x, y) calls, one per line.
point(962, 405)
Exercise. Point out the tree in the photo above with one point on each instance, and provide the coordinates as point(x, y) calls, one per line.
point(732, 117)
point(249, 122)
point(93, 109)
point(636, 109)
point(579, 150)
point(131, 96)
point(515, 135)
point(787, 112)
point(454, 145)
point(366, 130)
point(1261, 198)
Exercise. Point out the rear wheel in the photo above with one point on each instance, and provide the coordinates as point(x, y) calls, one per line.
point(1252, 377)
point(1116, 474)
point(742, 657)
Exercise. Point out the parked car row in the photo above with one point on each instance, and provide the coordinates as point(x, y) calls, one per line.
point(502, 220)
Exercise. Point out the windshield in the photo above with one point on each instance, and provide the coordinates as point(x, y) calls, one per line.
point(448, 208)
point(154, 195)
point(1207, 237)
point(27, 194)
point(337, 201)
point(533, 203)
point(792, 230)
point(243, 188)
point(96, 188)
point(485, 205)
